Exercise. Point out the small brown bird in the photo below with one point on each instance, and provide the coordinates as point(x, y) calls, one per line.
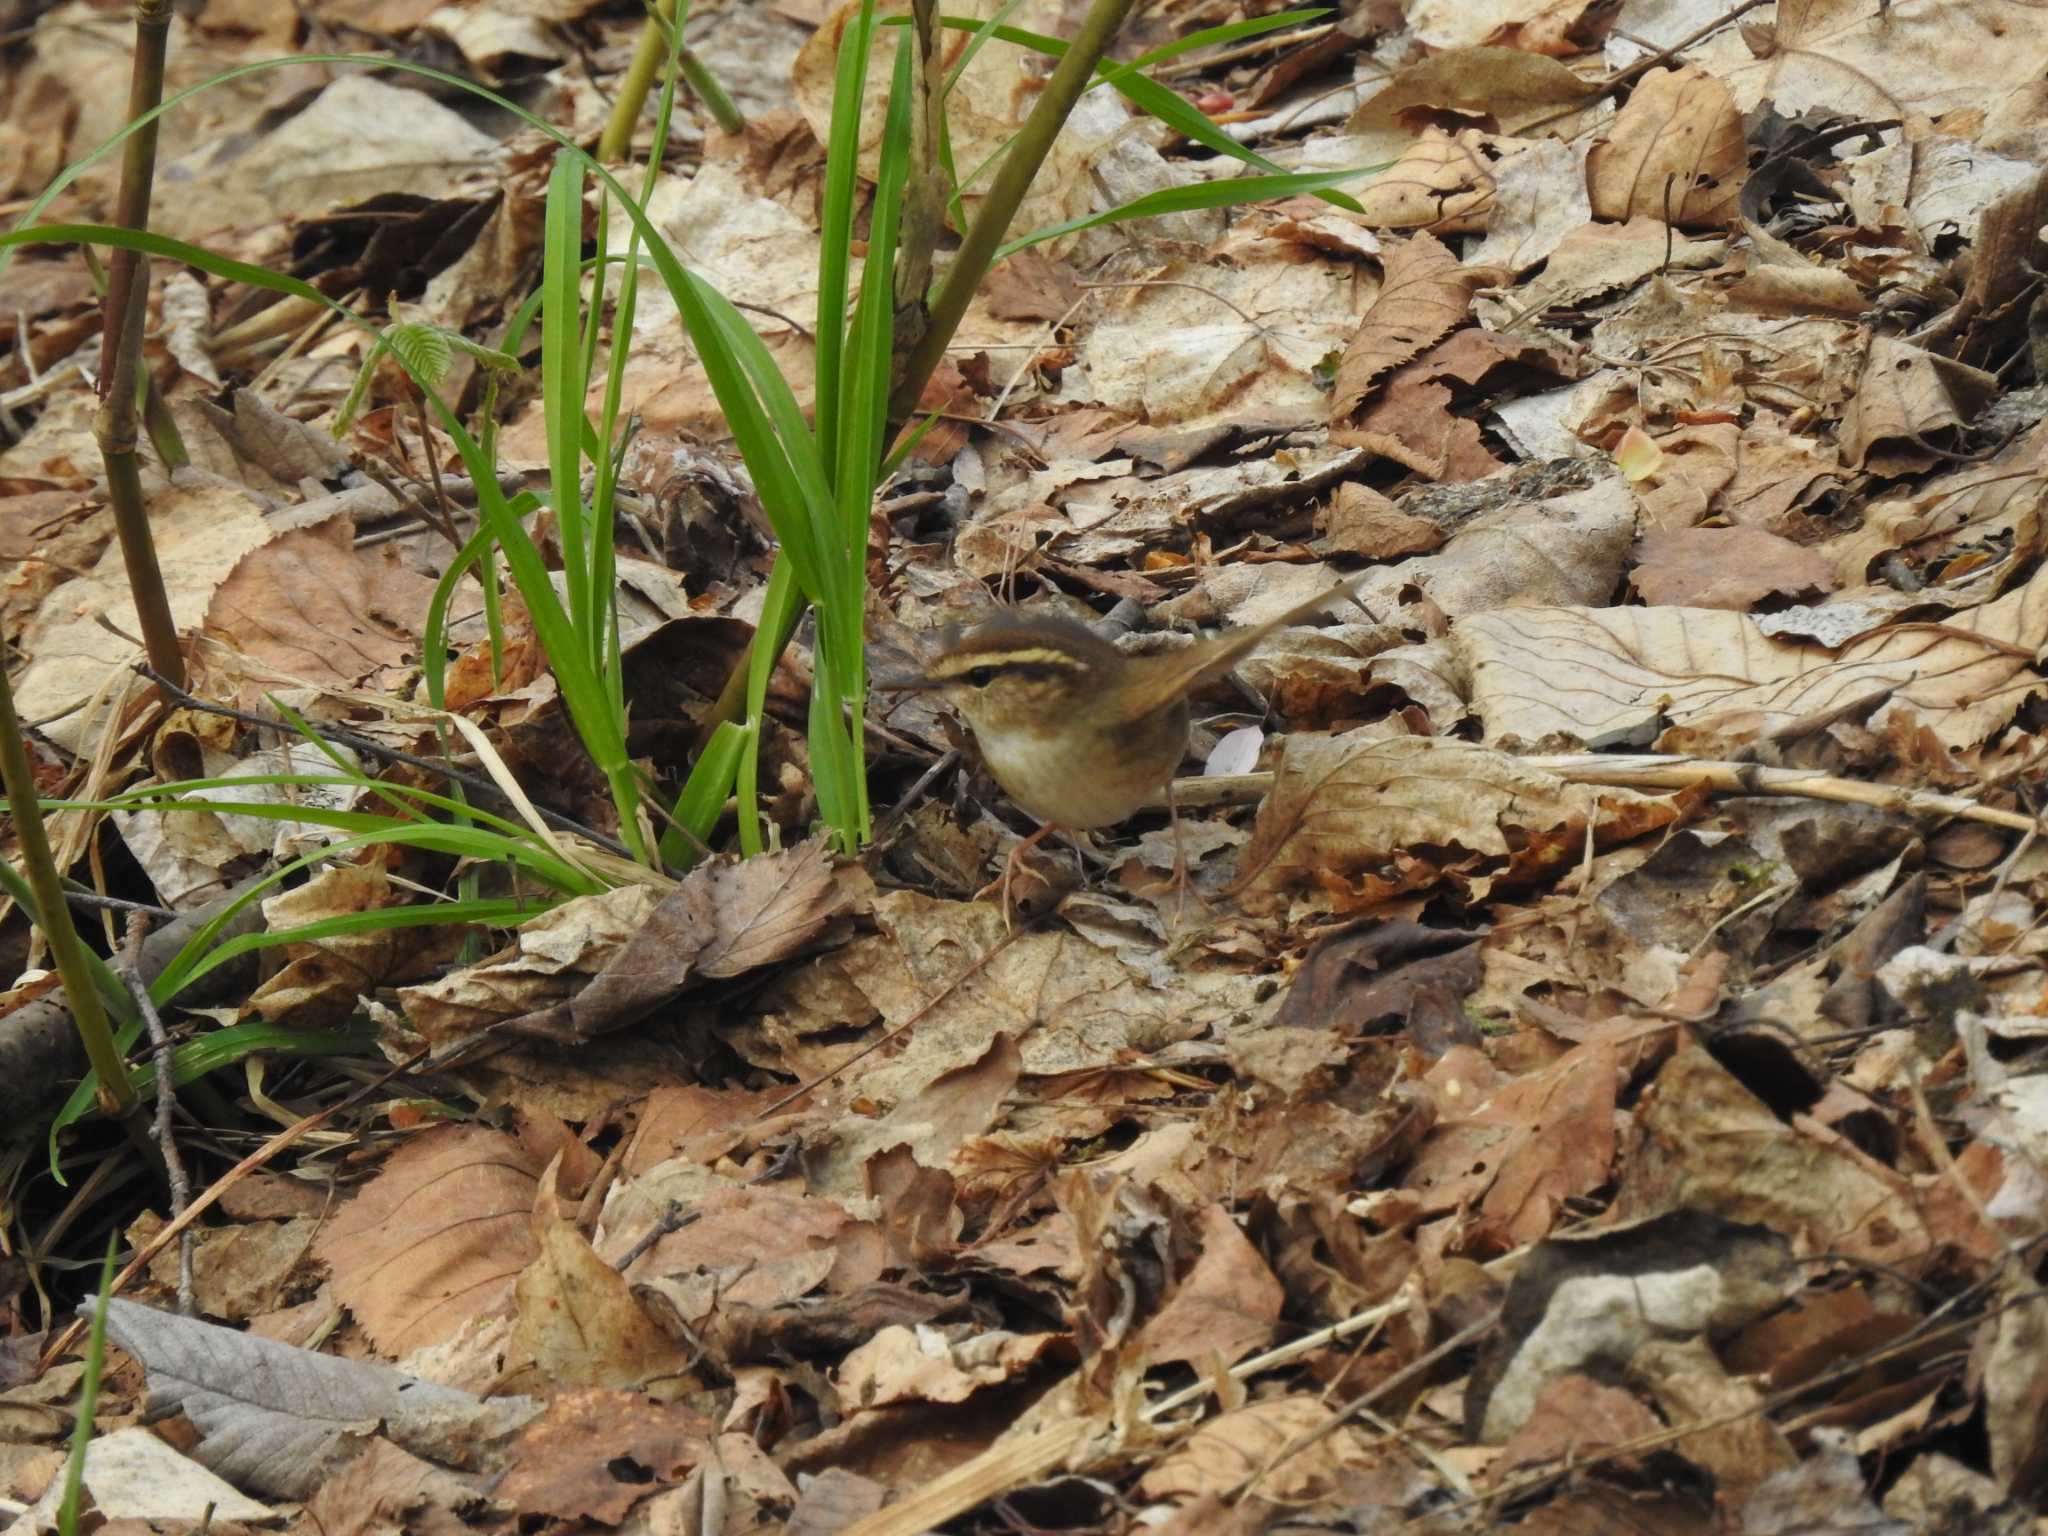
point(1080, 733)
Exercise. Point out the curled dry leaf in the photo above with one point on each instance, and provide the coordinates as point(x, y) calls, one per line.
point(936, 1365)
point(723, 918)
point(1440, 183)
point(1352, 821)
point(1227, 1306)
point(1675, 153)
point(1907, 398)
point(1705, 1141)
point(1427, 294)
point(1517, 89)
point(594, 1454)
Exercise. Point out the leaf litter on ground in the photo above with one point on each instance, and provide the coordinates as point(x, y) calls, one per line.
point(1486, 1137)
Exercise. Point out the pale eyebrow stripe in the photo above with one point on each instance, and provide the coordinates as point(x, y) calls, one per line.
point(1027, 656)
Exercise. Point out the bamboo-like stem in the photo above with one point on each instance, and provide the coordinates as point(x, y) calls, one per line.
point(53, 914)
point(121, 328)
point(1013, 179)
point(648, 57)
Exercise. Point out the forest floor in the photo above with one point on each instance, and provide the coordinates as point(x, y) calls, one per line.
point(1589, 1084)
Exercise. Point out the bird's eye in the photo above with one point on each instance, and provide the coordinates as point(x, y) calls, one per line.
point(981, 677)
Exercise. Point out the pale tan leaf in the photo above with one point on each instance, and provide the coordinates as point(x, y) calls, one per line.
point(1227, 1450)
point(1226, 1307)
point(1726, 568)
point(315, 607)
point(1909, 396)
point(1605, 675)
point(1675, 153)
point(936, 1365)
point(1440, 183)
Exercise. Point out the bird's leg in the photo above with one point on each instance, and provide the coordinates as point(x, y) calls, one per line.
point(1183, 878)
point(1010, 865)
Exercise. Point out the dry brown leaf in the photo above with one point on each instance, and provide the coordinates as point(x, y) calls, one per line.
point(1227, 1306)
point(238, 1271)
point(1518, 1149)
point(1360, 521)
point(315, 607)
point(1411, 421)
point(1239, 334)
point(385, 1488)
point(1441, 183)
point(1353, 820)
point(1726, 568)
point(555, 951)
point(1514, 88)
point(1591, 261)
point(1675, 152)
point(1575, 1417)
point(580, 1324)
point(320, 984)
point(958, 969)
point(726, 917)
point(593, 1455)
point(1227, 1450)
point(1605, 675)
point(1738, 1444)
point(2000, 502)
point(741, 1229)
point(201, 532)
point(437, 1239)
point(1908, 398)
point(1427, 294)
point(1704, 1141)
point(936, 1365)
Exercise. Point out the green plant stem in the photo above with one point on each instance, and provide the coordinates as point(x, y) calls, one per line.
point(88, 1012)
point(121, 348)
point(649, 57)
point(1034, 141)
point(1070, 77)
point(88, 1396)
point(724, 111)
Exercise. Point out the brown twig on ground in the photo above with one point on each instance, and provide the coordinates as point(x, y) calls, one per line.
point(1648, 770)
point(128, 968)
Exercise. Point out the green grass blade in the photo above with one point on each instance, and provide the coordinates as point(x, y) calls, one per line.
point(835, 232)
point(1187, 199)
point(702, 801)
point(88, 1396)
point(563, 378)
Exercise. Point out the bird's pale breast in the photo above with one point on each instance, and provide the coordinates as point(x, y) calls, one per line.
point(1087, 780)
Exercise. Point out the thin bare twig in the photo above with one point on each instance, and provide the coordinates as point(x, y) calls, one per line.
point(130, 971)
